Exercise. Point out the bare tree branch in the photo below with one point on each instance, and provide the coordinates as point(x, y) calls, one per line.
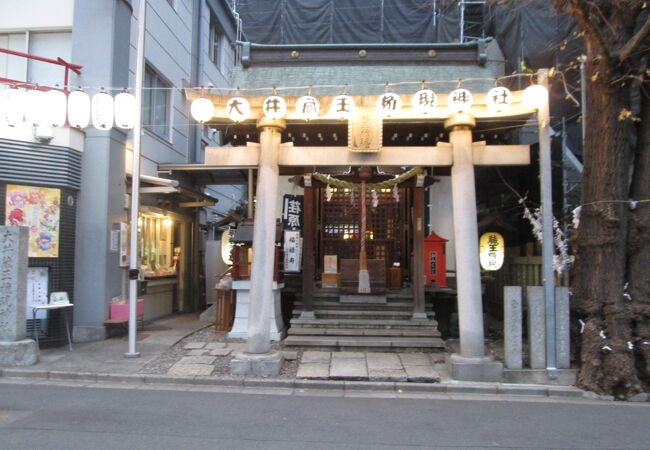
point(639, 38)
point(579, 12)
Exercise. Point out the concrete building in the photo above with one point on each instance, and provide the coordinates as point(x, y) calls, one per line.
point(187, 43)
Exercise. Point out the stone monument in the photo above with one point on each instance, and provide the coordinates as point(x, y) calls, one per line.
point(15, 349)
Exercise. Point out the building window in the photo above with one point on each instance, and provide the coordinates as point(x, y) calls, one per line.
point(155, 104)
point(217, 39)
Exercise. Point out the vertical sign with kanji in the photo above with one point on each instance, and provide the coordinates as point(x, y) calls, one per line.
point(292, 250)
point(292, 212)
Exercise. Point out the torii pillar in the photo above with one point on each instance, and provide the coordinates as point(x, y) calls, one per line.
point(471, 364)
point(258, 358)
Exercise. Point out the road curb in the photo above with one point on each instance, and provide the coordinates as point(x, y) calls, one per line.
point(443, 388)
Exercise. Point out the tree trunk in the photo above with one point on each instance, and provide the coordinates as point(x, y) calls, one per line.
point(607, 364)
point(639, 249)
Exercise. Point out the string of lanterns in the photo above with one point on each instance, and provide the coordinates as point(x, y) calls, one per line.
point(53, 108)
point(424, 101)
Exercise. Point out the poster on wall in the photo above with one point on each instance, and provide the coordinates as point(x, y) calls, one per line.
point(39, 209)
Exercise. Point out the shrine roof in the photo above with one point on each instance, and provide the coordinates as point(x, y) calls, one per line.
point(367, 67)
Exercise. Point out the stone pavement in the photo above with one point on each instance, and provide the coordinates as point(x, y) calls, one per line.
point(180, 351)
point(368, 366)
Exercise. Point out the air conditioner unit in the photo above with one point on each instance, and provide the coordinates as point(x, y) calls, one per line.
point(44, 133)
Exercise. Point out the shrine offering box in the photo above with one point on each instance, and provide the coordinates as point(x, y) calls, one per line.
point(331, 280)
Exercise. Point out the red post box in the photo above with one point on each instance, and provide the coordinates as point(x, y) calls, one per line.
point(435, 260)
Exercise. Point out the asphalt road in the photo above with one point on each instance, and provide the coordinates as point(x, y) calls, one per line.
point(42, 416)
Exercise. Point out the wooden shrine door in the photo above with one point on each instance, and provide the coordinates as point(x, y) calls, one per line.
point(338, 224)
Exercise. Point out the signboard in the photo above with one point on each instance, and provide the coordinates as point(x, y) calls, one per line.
point(37, 280)
point(37, 208)
point(491, 250)
point(292, 211)
point(292, 251)
point(365, 131)
point(331, 265)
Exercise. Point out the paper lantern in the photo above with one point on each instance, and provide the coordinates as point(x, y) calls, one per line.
point(56, 104)
point(460, 100)
point(307, 107)
point(238, 109)
point(78, 109)
point(274, 107)
point(12, 102)
point(498, 99)
point(535, 96)
point(202, 109)
point(491, 250)
point(342, 106)
point(125, 110)
point(101, 110)
point(388, 104)
point(35, 107)
point(226, 247)
point(424, 101)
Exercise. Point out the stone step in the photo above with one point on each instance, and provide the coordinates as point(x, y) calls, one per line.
point(417, 332)
point(366, 343)
point(333, 304)
point(363, 314)
point(363, 323)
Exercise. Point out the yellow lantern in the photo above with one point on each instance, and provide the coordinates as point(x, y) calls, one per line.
point(491, 250)
point(274, 107)
point(238, 109)
point(226, 247)
point(78, 109)
point(460, 100)
point(342, 106)
point(101, 109)
point(498, 99)
point(125, 109)
point(202, 109)
point(307, 107)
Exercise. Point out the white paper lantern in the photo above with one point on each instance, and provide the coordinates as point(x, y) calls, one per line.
point(55, 108)
point(498, 99)
point(202, 109)
point(460, 100)
point(125, 110)
point(307, 107)
point(342, 106)
point(424, 101)
point(101, 109)
point(78, 109)
point(12, 102)
point(535, 96)
point(388, 104)
point(35, 109)
point(274, 107)
point(238, 109)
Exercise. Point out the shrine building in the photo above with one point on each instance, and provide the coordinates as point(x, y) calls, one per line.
point(365, 209)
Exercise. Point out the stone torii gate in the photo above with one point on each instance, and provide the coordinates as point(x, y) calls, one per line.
point(461, 153)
